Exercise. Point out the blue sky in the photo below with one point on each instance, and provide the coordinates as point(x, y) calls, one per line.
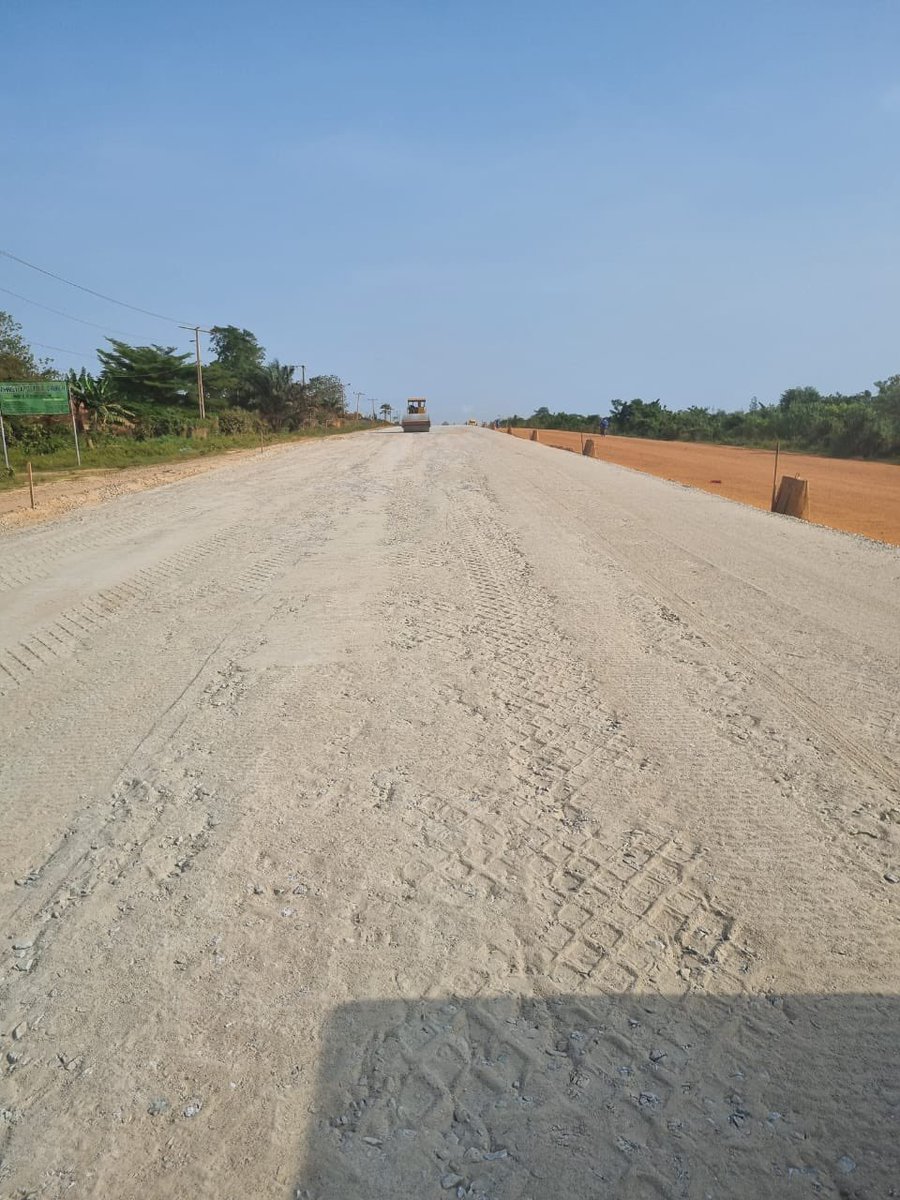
point(496, 205)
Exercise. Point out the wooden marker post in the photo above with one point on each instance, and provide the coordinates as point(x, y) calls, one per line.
point(31, 484)
point(775, 474)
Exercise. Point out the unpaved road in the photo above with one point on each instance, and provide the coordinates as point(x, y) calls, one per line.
point(447, 816)
point(845, 493)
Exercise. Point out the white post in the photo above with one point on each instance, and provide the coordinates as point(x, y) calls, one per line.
point(3, 436)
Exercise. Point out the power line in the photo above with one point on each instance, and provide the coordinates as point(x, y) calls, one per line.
point(91, 292)
point(59, 312)
point(60, 350)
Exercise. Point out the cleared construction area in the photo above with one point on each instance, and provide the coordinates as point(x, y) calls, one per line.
point(421, 817)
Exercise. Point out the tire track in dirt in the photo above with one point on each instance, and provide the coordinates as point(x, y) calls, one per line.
point(825, 727)
point(543, 839)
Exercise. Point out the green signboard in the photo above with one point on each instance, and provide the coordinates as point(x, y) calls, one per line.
point(34, 399)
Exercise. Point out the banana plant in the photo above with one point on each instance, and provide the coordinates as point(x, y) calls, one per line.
point(92, 394)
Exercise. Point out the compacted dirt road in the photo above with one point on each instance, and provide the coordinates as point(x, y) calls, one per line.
point(447, 816)
point(844, 493)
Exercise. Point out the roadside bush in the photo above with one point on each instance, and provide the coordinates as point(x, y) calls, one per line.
point(153, 422)
point(35, 436)
point(237, 420)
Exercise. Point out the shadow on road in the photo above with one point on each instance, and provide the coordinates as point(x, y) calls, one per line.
point(607, 1096)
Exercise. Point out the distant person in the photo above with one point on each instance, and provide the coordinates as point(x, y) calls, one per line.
point(604, 425)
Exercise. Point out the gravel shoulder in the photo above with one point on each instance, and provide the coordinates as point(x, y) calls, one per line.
point(65, 491)
point(446, 816)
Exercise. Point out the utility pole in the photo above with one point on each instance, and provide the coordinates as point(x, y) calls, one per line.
point(357, 395)
point(303, 374)
point(201, 398)
point(374, 418)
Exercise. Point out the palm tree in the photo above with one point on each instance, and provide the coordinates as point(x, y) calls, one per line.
point(277, 392)
point(385, 411)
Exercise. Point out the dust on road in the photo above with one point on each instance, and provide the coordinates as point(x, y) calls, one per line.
point(449, 819)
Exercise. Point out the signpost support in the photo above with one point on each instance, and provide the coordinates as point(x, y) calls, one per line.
point(74, 429)
point(3, 436)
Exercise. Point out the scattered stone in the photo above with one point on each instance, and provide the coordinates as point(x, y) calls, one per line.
point(802, 1172)
point(450, 1180)
point(846, 1164)
point(25, 964)
point(372, 1141)
point(473, 1154)
point(287, 912)
point(657, 1055)
point(890, 877)
point(494, 1155)
point(301, 889)
point(257, 889)
point(23, 944)
point(774, 1116)
point(13, 1057)
point(20, 1030)
point(191, 1110)
point(648, 1099)
point(157, 1107)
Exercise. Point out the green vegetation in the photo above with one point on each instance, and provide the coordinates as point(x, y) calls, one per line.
point(142, 406)
point(865, 425)
point(116, 452)
point(16, 358)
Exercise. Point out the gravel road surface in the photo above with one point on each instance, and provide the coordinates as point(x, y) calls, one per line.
point(408, 817)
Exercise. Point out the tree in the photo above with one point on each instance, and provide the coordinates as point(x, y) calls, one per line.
point(385, 411)
point(94, 395)
point(17, 360)
point(277, 394)
point(796, 397)
point(324, 397)
point(229, 378)
point(158, 374)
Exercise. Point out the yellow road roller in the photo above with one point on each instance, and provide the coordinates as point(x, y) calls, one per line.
point(417, 419)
